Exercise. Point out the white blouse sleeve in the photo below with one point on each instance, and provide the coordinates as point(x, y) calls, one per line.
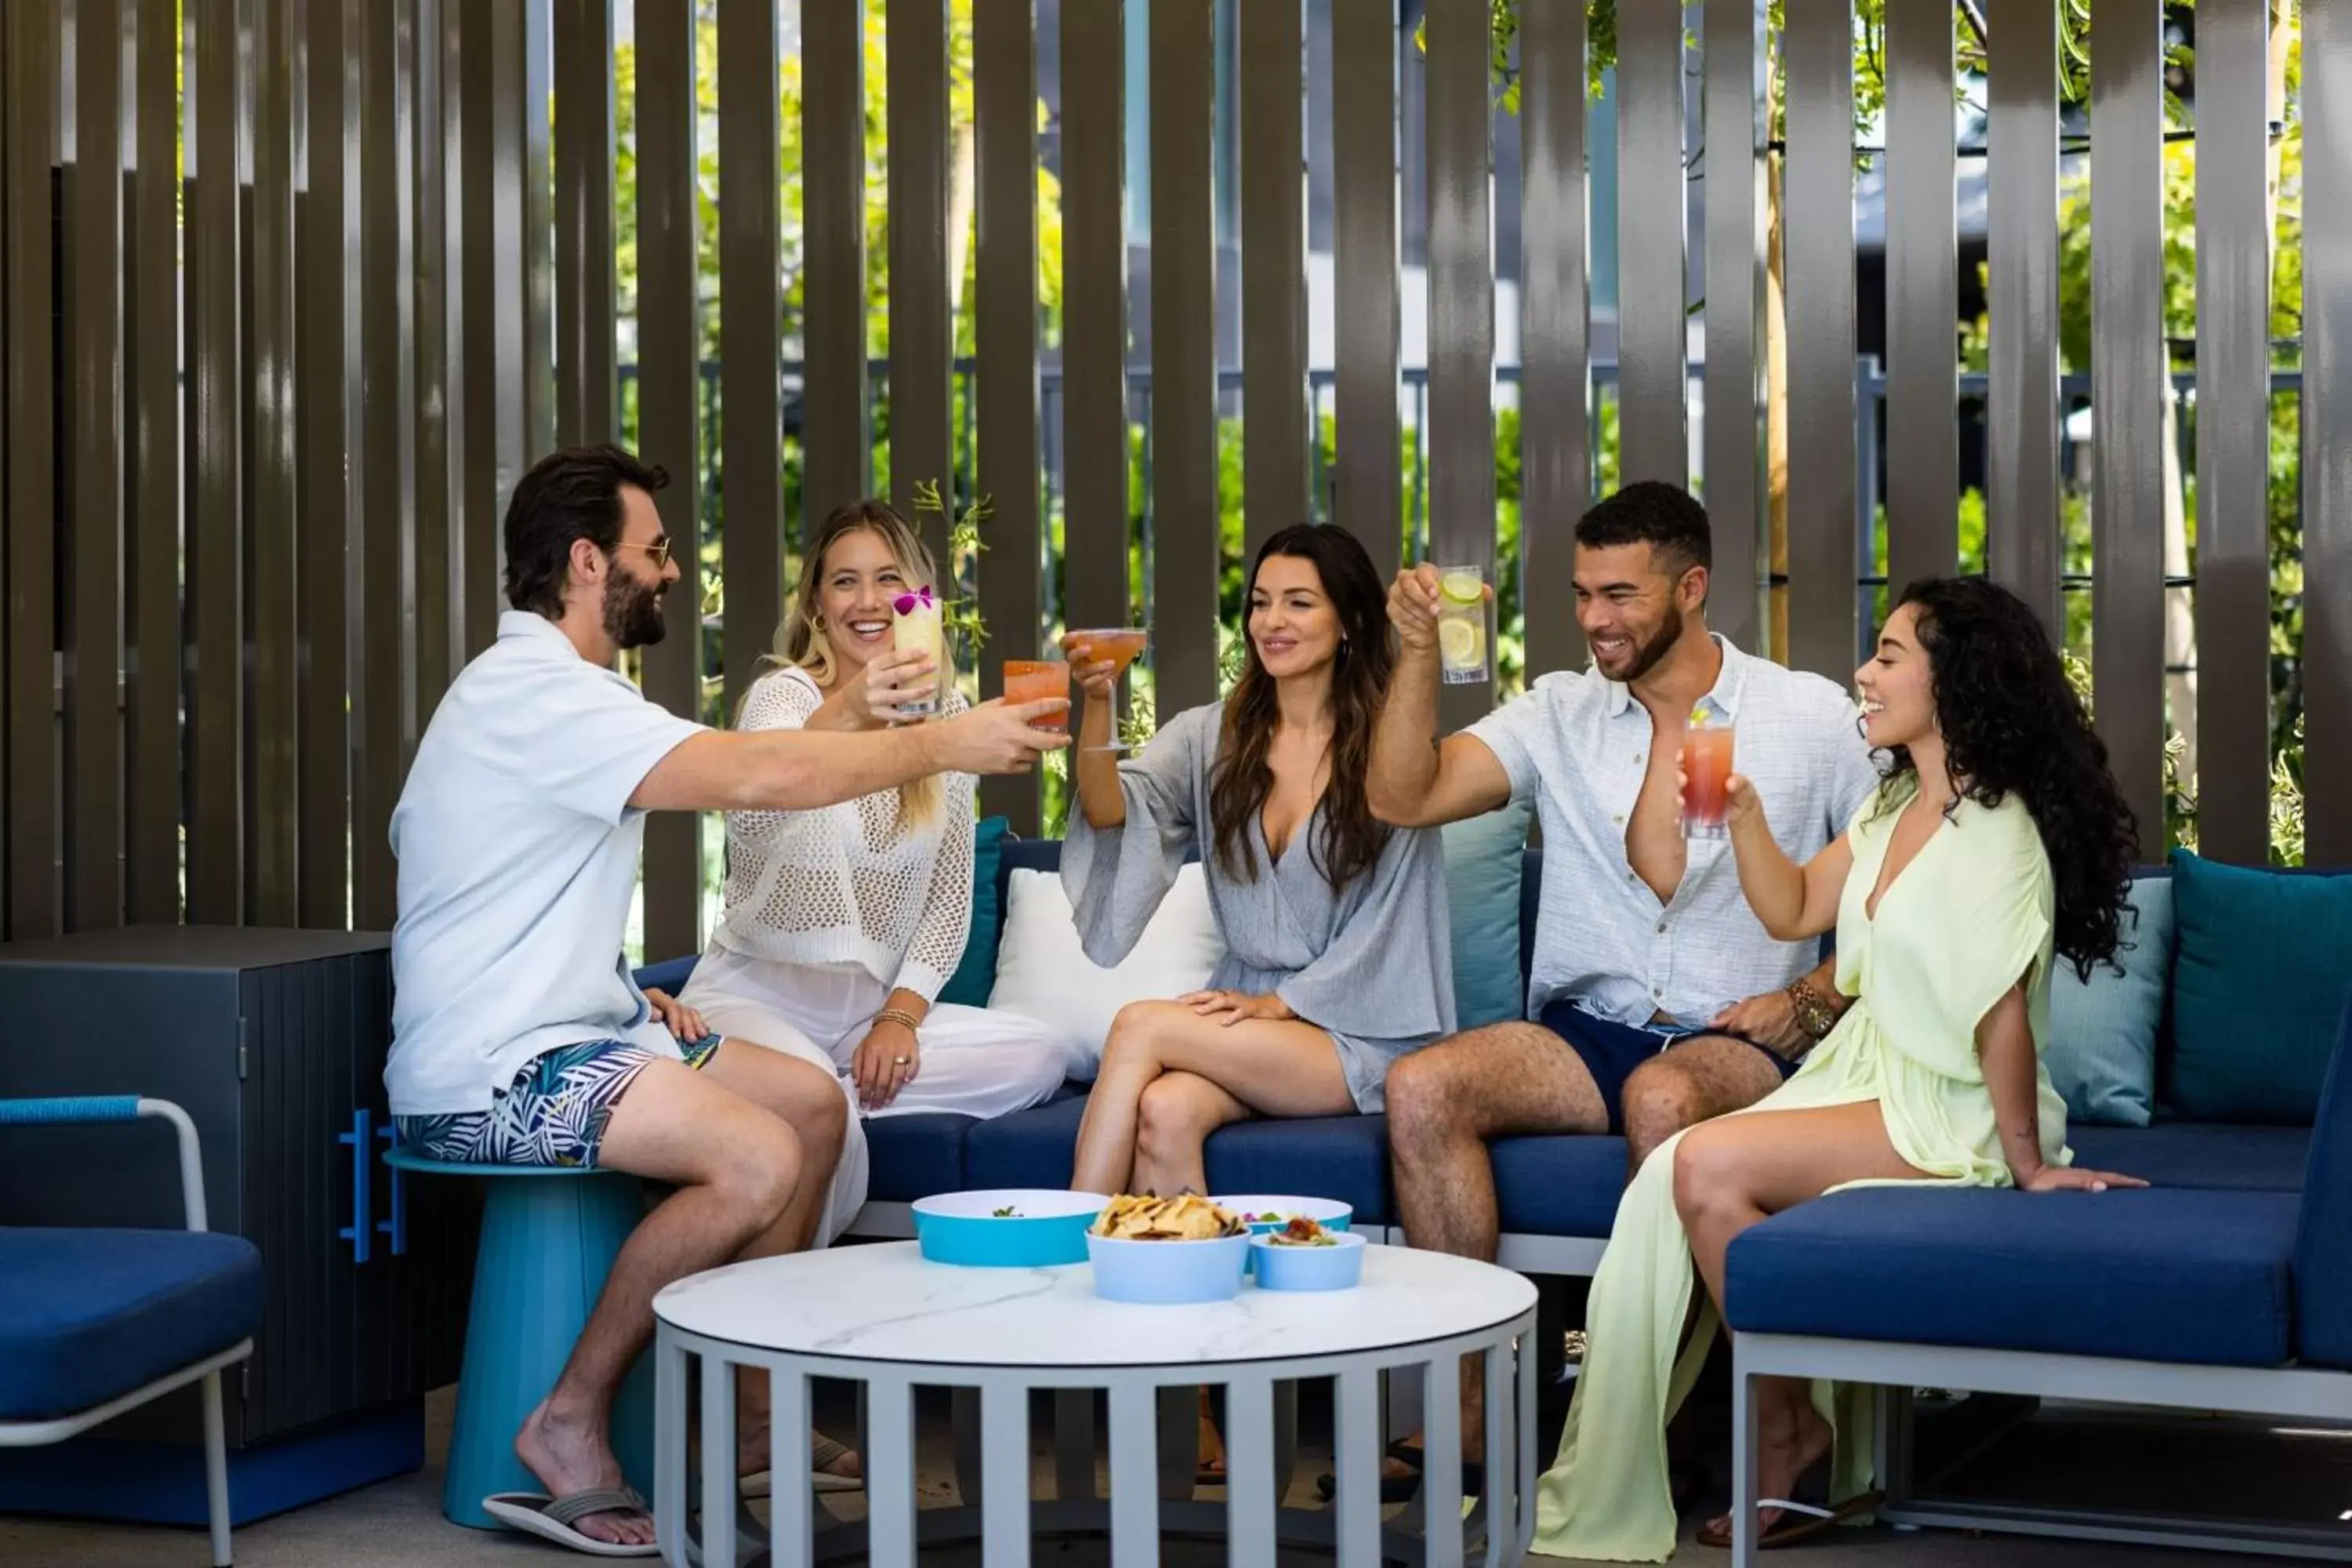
point(782, 699)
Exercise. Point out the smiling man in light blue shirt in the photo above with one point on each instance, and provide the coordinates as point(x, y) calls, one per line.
point(1656, 1000)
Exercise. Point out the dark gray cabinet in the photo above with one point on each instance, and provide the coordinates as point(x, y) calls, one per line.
point(274, 1041)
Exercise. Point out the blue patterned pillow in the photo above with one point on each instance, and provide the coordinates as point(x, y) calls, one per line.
point(2102, 1048)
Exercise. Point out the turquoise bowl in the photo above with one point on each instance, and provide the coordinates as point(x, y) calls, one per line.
point(1339, 1266)
point(1329, 1213)
point(1045, 1226)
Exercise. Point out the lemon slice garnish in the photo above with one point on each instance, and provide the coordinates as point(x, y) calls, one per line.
point(1462, 642)
point(1461, 588)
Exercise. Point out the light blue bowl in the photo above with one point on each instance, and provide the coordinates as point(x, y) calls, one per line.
point(1167, 1273)
point(1339, 1266)
point(1329, 1213)
point(1046, 1227)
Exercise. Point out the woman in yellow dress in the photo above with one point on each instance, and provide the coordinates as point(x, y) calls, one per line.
point(1999, 840)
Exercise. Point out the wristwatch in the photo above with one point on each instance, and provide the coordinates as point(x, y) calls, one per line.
point(1814, 1014)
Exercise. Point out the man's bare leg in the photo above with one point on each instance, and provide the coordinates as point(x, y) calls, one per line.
point(1694, 1080)
point(1445, 1101)
point(810, 1101)
point(735, 1167)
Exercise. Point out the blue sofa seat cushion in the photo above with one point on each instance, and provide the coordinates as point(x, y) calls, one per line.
point(2209, 1154)
point(89, 1315)
point(2164, 1275)
point(918, 1155)
point(1342, 1157)
point(1559, 1185)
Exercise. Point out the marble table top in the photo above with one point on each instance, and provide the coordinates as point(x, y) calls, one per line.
point(885, 1303)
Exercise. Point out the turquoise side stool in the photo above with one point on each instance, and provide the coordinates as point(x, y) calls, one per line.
point(548, 1238)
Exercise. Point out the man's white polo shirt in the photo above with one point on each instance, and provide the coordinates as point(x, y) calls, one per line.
point(517, 851)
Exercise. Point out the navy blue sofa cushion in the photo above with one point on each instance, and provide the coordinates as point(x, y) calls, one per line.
point(89, 1315)
point(1566, 1186)
point(914, 1156)
point(2323, 1251)
point(2198, 1154)
point(2166, 1274)
point(1032, 1148)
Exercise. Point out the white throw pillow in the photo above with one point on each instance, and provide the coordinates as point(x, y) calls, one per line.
point(1043, 973)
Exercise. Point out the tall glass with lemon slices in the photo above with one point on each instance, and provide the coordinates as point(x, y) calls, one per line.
point(1462, 633)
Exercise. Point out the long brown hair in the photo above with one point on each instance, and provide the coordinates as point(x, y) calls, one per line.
point(801, 641)
point(1352, 839)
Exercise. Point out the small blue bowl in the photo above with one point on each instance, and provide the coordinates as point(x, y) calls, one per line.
point(1329, 1213)
point(1044, 1227)
point(1339, 1266)
point(1167, 1273)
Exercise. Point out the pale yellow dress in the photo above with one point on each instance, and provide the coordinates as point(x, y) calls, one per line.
point(1962, 923)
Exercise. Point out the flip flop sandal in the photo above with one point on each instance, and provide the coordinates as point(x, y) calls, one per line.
point(823, 1452)
point(1785, 1532)
point(551, 1519)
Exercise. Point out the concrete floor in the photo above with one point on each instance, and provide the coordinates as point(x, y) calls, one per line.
point(398, 1524)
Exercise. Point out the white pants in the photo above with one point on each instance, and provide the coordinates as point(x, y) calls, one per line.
point(974, 1061)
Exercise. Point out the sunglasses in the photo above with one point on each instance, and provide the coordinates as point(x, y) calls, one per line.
point(658, 550)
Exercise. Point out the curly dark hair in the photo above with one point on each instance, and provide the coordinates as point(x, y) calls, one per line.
point(2014, 725)
point(1352, 839)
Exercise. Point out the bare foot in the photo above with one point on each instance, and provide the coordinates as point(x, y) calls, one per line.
point(570, 1456)
point(1792, 1441)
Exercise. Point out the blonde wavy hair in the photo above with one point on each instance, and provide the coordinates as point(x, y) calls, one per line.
point(801, 640)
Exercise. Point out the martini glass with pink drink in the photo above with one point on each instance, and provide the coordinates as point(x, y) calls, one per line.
point(1122, 646)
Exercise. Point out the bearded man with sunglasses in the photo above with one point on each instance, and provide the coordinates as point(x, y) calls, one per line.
point(519, 1037)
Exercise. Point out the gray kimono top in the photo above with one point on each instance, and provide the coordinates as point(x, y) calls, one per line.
point(1372, 963)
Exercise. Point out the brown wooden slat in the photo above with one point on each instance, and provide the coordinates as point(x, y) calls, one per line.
point(1922, 298)
point(381, 692)
point(835, 438)
point(273, 805)
point(1653, 376)
point(93, 297)
point(431, 381)
point(587, 406)
point(492, 291)
point(2233, 424)
point(215, 571)
point(31, 110)
point(1004, 98)
point(1185, 553)
point(2128, 365)
point(1461, 313)
point(2327, 435)
point(1555, 347)
point(152, 528)
point(1368, 498)
point(750, 430)
point(1817, 218)
point(1094, 314)
point(921, 330)
point(670, 429)
point(2022, 413)
point(529, 73)
point(1737, 53)
point(1273, 273)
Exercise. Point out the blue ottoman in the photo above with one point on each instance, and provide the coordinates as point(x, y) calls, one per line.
point(548, 1238)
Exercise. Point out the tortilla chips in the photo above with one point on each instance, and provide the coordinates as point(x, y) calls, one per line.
point(1185, 1217)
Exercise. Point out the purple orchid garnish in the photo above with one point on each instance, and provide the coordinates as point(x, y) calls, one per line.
point(904, 604)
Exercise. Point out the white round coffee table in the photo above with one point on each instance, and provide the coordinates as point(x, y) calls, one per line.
point(881, 1316)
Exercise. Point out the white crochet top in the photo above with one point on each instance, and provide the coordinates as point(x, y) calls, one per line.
point(848, 883)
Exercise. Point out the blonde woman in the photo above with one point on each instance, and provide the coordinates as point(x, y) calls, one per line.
point(841, 925)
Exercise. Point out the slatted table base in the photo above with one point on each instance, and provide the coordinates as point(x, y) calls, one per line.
point(705, 1522)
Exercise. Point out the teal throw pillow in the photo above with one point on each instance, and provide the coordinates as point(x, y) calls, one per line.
point(975, 974)
point(2258, 983)
point(2102, 1049)
point(1484, 857)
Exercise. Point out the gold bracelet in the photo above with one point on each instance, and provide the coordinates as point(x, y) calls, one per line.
point(913, 1025)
